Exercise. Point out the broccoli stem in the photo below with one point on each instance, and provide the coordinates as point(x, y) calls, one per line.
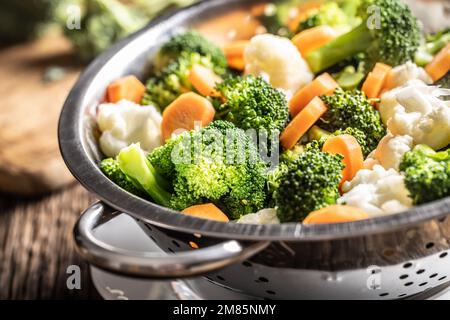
point(347, 45)
point(133, 162)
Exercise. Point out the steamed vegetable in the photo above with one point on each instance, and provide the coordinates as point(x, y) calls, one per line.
point(110, 167)
point(440, 65)
point(206, 211)
point(335, 214)
point(353, 110)
point(204, 80)
point(173, 80)
point(311, 183)
point(252, 103)
point(322, 85)
point(219, 164)
point(393, 42)
point(126, 88)
point(432, 45)
point(302, 122)
point(427, 174)
point(348, 147)
point(376, 80)
point(185, 113)
point(191, 42)
point(314, 38)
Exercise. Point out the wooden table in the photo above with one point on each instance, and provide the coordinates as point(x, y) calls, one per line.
point(36, 246)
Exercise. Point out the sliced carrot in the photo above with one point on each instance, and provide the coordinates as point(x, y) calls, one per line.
point(204, 80)
point(348, 147)
point(376, 80)
point(314, 38)
point(302, 123)
point(440, 64)
point(236, 63)
point(336, 214)
point(235, 48)
point(322, 85)
point(206, 211)
point(234, 51)
point(128, 88)
point(185, 113)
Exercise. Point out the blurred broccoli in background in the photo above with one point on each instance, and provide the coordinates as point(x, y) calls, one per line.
point(22, 20)
point(103, 22)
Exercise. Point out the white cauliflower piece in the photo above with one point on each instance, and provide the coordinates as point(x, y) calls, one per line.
point(404, 73)
point(264, 216)
point(124, 123)
point(278, 61)
point(417, 111)
point(391, 149)
point(378, 192)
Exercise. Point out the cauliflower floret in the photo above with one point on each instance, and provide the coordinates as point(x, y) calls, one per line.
point(124, 123)
point(378, 192)
point(417, 111)
point(391, 149)
point(264, 216)
point(278, 61)
point(404, 73)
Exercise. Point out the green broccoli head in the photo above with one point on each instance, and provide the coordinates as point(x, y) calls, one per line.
point(110, 167)
point(427, 174)
point(252, 103)
point(218, 164)
point(351, 109)
point(330, 14)
point(169, 83)
point(310, 183)
point(389, 33)
point(191, 42)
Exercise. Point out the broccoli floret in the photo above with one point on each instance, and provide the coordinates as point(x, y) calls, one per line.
point(310, 183)
point(330, 14)
point(393, 38)
point(252, 103)
point(168, 84)
point(191, 42)
point(351, 109)
point(218, 164)
point(431, 46)
point(427, 174)
point(111, 169)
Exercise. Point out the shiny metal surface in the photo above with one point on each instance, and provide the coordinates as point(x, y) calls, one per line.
point(154, 265)
point(409, 250)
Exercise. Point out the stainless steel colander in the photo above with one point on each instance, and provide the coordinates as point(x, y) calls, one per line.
point(388, 257)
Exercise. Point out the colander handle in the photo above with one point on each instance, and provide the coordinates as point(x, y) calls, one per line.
point(152, 264)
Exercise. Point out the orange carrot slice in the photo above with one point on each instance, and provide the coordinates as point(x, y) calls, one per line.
point(235, 48)
point(314, 38)
point(376, 80)
point(302, 123)
point(206, 211)
point(322, 85)
point(236, 63)
point(335, 214)
point(440, 64)
point(128, 88)
point(234, 51)
point(185, 112)
point(347, 146)
point(204, 80)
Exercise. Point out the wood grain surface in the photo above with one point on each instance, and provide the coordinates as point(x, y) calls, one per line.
point(36, 246)
point(30, 162)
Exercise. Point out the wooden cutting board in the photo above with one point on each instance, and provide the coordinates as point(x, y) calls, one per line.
point(30, 162)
